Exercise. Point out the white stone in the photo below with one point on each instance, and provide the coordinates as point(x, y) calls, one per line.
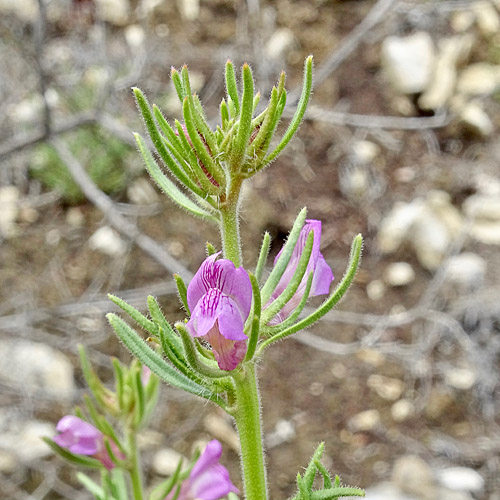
point(284, 432)
point(399, 274)
point(487, 18)
point(115, 12)
point(386, 387)
point(462, 20)
point(142, 192)
point(478, 79)
point(486, 232)
point(75, 217)
point(387, 491)
point(402, 410)
point(466, 270)
point(409, 61)
point(460, 478)
point(134, 34)
point(32, 365)
point(460, 378)
point(8, 462)
point(9, 210)
point(25, 441)
point(442, 85)
point(364, 421)
point(166, 460)
point(365, 152)
point(375, 290)
point(26, 10)
point(189, 9)
point(481, 206)
point(476, 119)
point(281, 42)
point(222, 429)
point(414, 476)
point(107, 240)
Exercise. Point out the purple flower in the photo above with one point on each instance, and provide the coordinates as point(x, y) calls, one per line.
point(322, 277)
point(219, 297)
point(83, 438)
point(208, 480)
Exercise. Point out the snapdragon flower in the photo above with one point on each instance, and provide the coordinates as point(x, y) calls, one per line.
point(83, 438)
point(322, 273)
point(219, 297)
point(208, 480)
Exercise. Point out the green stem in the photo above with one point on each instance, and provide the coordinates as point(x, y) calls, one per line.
point(248, 424)
point(230, 227)
point(135, 467)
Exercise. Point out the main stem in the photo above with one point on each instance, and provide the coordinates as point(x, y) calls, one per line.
point(230, 227)
point(248, 424)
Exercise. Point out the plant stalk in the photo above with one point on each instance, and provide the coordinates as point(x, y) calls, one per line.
point(135, 470)
point(230, 227)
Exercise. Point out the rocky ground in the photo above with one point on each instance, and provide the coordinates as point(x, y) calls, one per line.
point(400, 143)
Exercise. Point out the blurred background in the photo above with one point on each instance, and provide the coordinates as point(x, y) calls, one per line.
point(400, 143)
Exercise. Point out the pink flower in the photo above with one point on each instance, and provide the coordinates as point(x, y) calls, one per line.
point(219, 297)
point(83, 438)
point(208, 480)
point(322, 277)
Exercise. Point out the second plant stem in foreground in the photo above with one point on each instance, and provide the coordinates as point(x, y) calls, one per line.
point(248, 424)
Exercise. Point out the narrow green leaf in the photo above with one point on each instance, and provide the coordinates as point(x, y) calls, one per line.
point(264, 252)
point(165, 487)
point(299, 112)
point(256, 307)
point(168, 187)
point(329, 303)
point(333, 493)
point(210, 248)
point(256, 101)
point(303, 491)
point(310, 472)
point(91, 486)
point(137, 316)
point(224, 114)
point(119, 484)
point(182, 291)
point(81, 460)
point(206, 159)
point(119, 383)
point(202, 124)
point(244, 128)
point(327, 480)
point(186, 84)
point(153, 360)
point(140, 399)
point(286, 253)
point(279, 302)
point(231, 87)
point(158, 144)
point(176, 80)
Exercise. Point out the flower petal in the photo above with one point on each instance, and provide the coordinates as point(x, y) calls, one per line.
point(323, 277)
point(228, 353)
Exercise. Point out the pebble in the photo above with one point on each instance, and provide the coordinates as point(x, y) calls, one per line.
point(414, 476)
point(75, 217)
point(364, 152)
point(451, 51)
point(402, 410)
point(375, 290)
point(9, 198)
point(387, 491)
point(364, 421)
point(460, 478)
point(26, 10)
point(166, 460)
point(399, 274)
point(475, 119)
point(462, 20)
point(487, 18)
point(409, 61)
point(386, 387)
point(222, 429)
point(25, 442)
point(467, 270)
point(32, 365)
point(134, 35)
point(106, 240)
point(284, 432)
point(142, 192)
point(189, 9)
point(478, 79)
point(485, 211)
point(8, 462)
point(282, 41)
point(115, 12)
point(460, 378)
